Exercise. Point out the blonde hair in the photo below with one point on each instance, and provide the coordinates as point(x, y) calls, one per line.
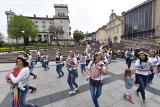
point(72, 54)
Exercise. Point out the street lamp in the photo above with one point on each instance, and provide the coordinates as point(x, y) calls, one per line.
point(24, 39)
point(48, 39)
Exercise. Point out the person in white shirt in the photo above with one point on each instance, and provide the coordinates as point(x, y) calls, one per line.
point(83, 58)
point(109, 54)
point(142, 74)
point(38, 59)
point(95, 70)
point(129, 57)
point(45, 61)
point(24, 77)
point(153, 60)
point(72, 73)
point(88, 47)
point(59, 64)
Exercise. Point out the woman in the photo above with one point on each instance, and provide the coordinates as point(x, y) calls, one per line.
point(59, 64)
point(83, 62)
point(109, 54)
point(45, 61)
point(129, 57)
point(24, 77)
point(95, 70)
point(73, 73)
point(153, 62)
point(142, 74)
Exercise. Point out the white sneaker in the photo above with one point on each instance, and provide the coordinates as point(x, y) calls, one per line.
point(71, 92)
point(159, 74)
point(76, 88)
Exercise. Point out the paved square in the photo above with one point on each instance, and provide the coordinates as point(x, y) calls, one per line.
point(53, 92)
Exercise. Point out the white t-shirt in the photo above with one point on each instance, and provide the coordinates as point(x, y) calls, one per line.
point(24, 73)
point(73, 62)
point(94, 70)
point(142, 66)
point(38, 54)
point(154, 60)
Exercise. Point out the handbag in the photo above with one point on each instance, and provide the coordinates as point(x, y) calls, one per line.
point(94, 82)
point(75, 73)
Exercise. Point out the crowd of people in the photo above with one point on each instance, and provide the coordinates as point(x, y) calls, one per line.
point(92, 64)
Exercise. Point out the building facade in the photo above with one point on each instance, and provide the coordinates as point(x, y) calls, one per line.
point(101, 35)
point(114, 28)
point(142, 22)
point(60, 19)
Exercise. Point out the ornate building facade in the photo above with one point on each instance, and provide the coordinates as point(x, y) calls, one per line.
point(60, 19)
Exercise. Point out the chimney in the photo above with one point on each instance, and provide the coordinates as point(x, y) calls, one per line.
point(34, 15)
point(46, 16)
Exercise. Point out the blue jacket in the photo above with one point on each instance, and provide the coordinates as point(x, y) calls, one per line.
point(129, 82)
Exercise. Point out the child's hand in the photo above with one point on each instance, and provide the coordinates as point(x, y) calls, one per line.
point(134, 79)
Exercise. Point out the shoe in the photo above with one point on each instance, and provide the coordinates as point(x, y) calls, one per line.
point(59, 76)
point(72, 92)
point(62, 74)
point(130, 100)
point(76, 88)
point(35, 77)
point(137, 93)
point(144, 102)
point(33, 90)
point(158, 74)
point(125, 96)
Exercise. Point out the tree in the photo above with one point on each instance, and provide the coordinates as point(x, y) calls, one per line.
point(20, 27)
point(57, 31)
point(78, 35)
point(1, 39)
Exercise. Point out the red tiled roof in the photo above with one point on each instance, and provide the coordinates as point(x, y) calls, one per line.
point(120, 17)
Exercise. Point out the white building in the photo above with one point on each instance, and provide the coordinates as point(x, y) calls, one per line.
point(60, 19)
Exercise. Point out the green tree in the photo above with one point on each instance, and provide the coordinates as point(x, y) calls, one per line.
point(78, 35)
point(20, 27)
point(1, 39)
point(56, 31)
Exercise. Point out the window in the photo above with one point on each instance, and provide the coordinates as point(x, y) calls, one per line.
point(43, 26)
point(61, 21)
point(63, 14)
point(36, 21)
point(36, 26)
point(43, 22)
point(50, 22)
point(117, 30)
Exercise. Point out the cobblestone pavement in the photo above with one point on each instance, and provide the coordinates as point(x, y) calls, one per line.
point(53, 92)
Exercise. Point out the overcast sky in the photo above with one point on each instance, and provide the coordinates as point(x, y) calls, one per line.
point(85, 15)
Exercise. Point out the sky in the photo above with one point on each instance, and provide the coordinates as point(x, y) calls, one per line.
point(85, 15)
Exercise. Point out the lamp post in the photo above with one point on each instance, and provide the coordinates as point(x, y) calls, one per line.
point(24, 38)
point(48, 39)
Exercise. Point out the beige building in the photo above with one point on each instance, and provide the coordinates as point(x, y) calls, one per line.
point(114, 28)
point(101, 35)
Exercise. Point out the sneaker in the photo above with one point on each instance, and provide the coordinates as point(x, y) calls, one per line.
point(72, 92)
point(144, 102)
point(35, 77)
point(76, 88)
point(137, 93)
point(159, 74)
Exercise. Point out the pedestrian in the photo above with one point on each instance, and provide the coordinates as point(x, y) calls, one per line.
point(59, 64)
point(129, 57)
point(154, 61)
point(19, 96)
point(72, 73)
point(109, 54)
point(38, 59)
point(129, 82)
point(83, 58)
point(95, 70)
point(45, 61)
point(142, 74)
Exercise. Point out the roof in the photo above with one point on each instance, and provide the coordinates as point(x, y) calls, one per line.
point(120, 18)
point(147, 1)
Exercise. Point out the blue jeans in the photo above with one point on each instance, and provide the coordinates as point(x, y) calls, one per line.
point(142, 80)
point(45, 64)
point(95, 91)
point(59, 69)
point(83, 68)
point(109, 58)
point(71, 80)
point(129, 62)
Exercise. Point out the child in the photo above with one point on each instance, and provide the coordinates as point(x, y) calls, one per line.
point(15, 72)
point(129, 85)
